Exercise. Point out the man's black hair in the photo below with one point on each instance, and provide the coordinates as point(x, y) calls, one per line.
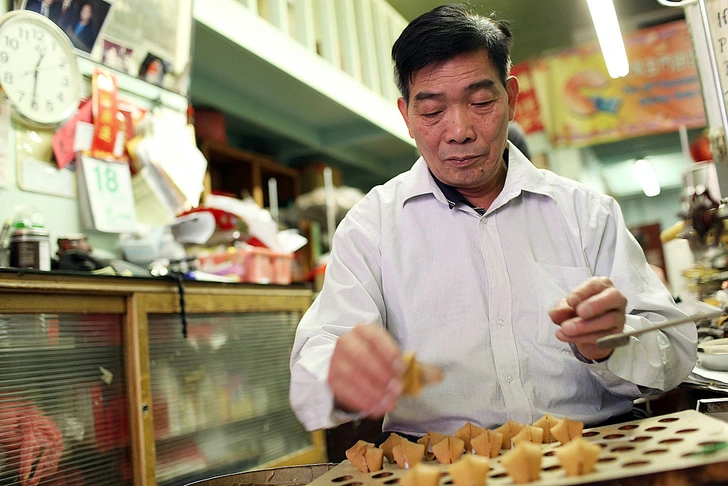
point(444, 33)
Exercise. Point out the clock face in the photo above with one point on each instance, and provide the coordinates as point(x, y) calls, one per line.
point(38, 69)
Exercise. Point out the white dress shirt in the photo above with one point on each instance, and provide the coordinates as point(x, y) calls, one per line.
point(471, 294)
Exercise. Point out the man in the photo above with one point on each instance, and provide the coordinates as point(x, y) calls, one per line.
point(47, 8)
point(83, 33)
point(68, 14)
point(502, 275)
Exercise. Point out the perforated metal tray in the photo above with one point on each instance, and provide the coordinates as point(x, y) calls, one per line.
point(682, 448)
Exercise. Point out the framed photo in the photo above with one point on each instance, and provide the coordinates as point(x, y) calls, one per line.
point(81, 20)
point(148, 39)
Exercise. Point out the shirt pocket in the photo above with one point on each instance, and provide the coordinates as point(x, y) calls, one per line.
point(554, 283)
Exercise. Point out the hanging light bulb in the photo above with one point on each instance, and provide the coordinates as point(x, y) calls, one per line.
point(610, 37)
point(645, 174)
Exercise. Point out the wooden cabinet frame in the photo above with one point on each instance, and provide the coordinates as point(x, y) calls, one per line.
point(134, 299)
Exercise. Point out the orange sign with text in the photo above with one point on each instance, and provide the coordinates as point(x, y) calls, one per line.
point(582, 105)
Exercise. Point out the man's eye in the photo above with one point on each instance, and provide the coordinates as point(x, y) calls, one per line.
point(431, 114)
point(483, 103)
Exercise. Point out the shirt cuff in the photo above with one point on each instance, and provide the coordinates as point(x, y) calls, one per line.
point(584, 359)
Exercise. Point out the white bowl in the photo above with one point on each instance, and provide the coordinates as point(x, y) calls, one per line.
point(714, 354)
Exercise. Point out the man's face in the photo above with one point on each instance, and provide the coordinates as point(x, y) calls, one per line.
point(458, 114)
point(86, 12)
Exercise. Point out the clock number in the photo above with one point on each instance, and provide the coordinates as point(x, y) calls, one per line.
point(3, 56)
point(21, 95)
point(106, 181)
point(34, 105)
point(38, 35)
point(60, 97)
point(11, 42)
point(49, 106)
point(24, 34)
point(7, 77)
point(64, 82)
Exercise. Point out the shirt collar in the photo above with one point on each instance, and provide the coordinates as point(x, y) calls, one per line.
point(522, 176)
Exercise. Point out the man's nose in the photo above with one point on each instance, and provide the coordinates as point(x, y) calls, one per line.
point(459, 126)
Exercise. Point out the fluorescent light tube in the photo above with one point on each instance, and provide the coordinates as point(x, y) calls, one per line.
point(646, 175)
point(610, 37)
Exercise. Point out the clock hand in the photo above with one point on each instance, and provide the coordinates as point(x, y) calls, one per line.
point(35, 76)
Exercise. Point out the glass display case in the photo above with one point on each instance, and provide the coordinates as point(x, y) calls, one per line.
point(123, 380)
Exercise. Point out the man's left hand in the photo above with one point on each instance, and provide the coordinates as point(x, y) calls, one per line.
point(592, 310)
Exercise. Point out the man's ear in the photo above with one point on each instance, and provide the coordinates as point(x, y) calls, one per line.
point(402, 105)
point(512, 89)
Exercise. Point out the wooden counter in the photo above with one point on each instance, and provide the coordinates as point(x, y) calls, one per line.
point(142, 395)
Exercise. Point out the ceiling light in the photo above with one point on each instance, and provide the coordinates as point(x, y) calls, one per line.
point(610, 37)
point(646, 176)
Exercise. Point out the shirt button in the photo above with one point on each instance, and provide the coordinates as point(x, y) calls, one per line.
point(500, 322)
point(509, 378)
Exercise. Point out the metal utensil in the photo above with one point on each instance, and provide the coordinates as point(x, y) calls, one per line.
point(621, 339)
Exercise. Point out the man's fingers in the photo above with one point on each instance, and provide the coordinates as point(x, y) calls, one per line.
point(561, 312)
point(586, 289)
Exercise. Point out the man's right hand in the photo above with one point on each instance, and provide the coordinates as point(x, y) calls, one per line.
point(366, 369)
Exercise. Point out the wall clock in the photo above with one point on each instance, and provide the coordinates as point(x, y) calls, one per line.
point(39, 73)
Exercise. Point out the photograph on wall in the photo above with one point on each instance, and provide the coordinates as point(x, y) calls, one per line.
point(160, 27)
point(81, 20)
point(117, 56)
point(153, 69)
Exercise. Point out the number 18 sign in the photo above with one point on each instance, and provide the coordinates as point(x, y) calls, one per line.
point(105, 197)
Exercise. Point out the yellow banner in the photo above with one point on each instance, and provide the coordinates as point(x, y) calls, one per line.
point(582, 105)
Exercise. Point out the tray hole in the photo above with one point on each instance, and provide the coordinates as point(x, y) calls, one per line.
point(641, 438)
point(552, 468)
point(341, 479)
point(711, 444)
point(668, 420)
point(384, 474)
point(629, 427)
point(686, 431)
point(623, 449)
point(499, 475)
point(392, 481)
point(591, 433)
point(549, 453)
point(614, 436)
point(656, 429)
point(656, 451)
point(670, 441)
point(607, 459)
point(636, 463)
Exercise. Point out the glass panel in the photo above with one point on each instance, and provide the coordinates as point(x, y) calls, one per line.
point(63, 405)
point(220, 396)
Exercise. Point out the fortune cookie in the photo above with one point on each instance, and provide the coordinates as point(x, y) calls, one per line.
point(407, 454)
point(428, 440)
point(547, 422)
point(578, 457)
point(418, 375)
point(365, 456)
point(567, 430)
point(421, 475)
point(523, 462)
point(467, 432)
point(487, 444)
point(448, 450)
point(470, 470)
point(509, 430)
point(389, 444)
point(528, 433)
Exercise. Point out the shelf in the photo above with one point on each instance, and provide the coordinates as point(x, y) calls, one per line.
point(234, 170)
point(281, 98)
